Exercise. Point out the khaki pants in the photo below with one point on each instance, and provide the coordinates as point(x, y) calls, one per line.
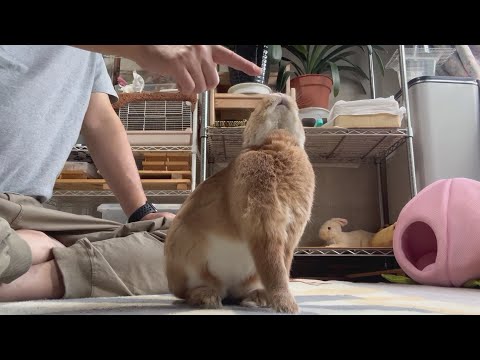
point(101, 258)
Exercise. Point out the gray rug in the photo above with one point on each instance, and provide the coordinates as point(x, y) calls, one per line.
point(313, 297)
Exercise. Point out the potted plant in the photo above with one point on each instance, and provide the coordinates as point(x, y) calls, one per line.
point(262, 55)
point(318, 67)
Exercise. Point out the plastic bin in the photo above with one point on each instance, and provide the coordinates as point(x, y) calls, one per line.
point(420, 61)
point(367, 113)
point(160, 138)
point(114, 212)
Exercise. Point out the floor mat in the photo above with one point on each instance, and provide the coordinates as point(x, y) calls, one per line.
point(314, 298)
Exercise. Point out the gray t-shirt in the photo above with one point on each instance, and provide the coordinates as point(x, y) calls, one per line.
point(44, 95)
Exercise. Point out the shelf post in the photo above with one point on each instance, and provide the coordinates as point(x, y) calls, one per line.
point(203, 134)
point(194, 152)
point(381, 179)
point(380, 193)
point(371, 73)
point(406, 103)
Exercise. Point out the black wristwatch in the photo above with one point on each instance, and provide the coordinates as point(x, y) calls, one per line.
point(142, 211)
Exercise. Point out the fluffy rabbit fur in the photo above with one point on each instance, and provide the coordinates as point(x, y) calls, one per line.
point(235, 235)
point(331, 232)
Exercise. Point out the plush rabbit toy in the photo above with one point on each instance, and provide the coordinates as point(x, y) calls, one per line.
point(331, 232)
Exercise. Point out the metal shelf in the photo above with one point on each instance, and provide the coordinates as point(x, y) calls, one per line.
point(322, 144)
point(83, 148)
point(58, 193)
point(327, 251)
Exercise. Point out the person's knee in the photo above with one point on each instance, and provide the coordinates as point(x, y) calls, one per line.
point(32, 235)
point(40, 244)
point(38, 237)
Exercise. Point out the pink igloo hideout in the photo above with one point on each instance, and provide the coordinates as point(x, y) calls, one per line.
point(437, 236)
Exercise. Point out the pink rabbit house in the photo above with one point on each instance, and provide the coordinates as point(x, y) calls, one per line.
point(437, 236)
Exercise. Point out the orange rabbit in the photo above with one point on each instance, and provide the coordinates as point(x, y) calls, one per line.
point(235, 235)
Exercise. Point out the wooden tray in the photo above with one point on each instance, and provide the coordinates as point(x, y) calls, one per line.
point(100, 184)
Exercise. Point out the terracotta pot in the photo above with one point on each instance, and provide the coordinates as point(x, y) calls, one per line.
point(312, 90)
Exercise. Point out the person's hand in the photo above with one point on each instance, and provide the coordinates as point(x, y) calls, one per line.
point(157, 215)
point(194, 67)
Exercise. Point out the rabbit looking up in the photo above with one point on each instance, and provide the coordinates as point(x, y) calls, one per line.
point(235, 235)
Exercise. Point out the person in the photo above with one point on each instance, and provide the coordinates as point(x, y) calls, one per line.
point(49, 95)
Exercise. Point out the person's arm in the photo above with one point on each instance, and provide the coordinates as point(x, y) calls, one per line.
point(127, 51)
point(108, 145)
point(194, 67)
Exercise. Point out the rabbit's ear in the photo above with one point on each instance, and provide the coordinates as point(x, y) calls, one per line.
point(342, 222)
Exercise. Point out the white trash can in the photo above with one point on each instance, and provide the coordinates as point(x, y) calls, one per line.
point(446, 128)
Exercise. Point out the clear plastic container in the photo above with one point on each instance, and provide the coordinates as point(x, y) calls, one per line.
point(153, 82)
point(114, 212)
point(421, 60)
point(313, 112)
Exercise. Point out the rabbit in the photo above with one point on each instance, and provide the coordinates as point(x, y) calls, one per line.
point(331, 232)
point(235, 235)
